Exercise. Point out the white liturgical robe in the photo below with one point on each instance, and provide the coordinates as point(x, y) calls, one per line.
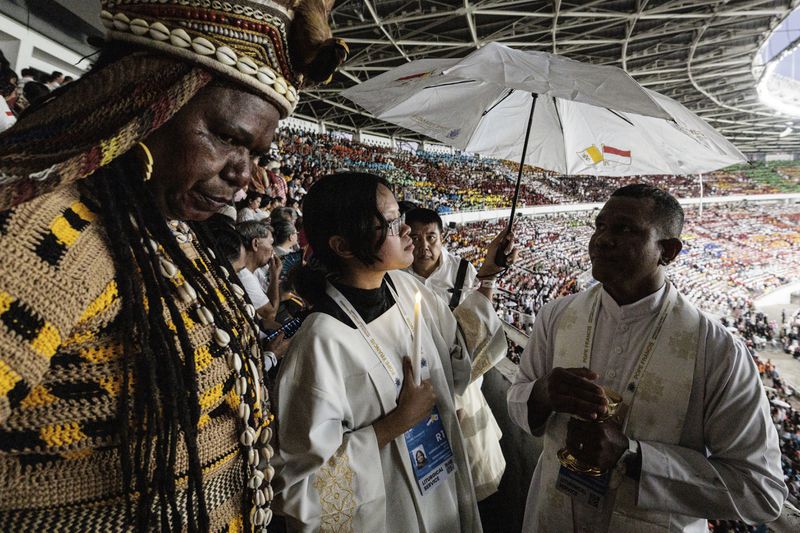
point(726, 463)
point(331, 389)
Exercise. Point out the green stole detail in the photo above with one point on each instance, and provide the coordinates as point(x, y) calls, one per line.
point(656, 410)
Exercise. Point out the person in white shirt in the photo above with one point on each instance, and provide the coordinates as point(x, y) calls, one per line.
point(693, 439)
point(257, 238)
point(231, 245)
point(250, 210)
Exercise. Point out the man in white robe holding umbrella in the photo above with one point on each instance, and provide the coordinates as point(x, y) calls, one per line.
point(693, 437)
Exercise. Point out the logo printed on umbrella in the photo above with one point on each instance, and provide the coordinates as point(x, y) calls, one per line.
point(591, 155)
point(410, 77)
point(616, 155)
point(605, 154)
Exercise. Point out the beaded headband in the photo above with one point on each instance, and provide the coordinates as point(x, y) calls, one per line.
point(243, 40)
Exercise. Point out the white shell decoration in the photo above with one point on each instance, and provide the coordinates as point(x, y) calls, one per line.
point(221, 337)
point(268, 493)
point(225, 272)
point(184, 295)
point(265, 435)
point(168, 269)
point(235, 362)
point(266, 75)
point(244, 412)
point(237, 289)
point(252, 457)
point(121, 21)
point(203, 46)
point(206, 317)
point(241, 386)
point(268, 452)
point(139, 26)
point(247, 66)
point(159, 32)
point(260, 500)
point(267, 516)
point(107, 19)
point(280, 86)
point(178, 37)
point(269, 472)
point(190, 290)
point(227, 56)
point(256, 380)
point(248, 436)
point(251, 310)
point(259, 517)
point(256, 479)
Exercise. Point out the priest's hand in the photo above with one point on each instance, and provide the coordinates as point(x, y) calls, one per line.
point(599, 444)
point(414, 404)
point(569, 390)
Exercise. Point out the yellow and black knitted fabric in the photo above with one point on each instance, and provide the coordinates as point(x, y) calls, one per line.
point(60, 377)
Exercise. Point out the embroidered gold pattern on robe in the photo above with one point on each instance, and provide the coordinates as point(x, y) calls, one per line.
point(334, 484)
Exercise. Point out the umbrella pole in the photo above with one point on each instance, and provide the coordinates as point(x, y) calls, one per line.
point(500, 257)
point(522, 162)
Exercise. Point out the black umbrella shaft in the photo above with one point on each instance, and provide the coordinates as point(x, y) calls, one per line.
point(500, 257)
point(522, 161)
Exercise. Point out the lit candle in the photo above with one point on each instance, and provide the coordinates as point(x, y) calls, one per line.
point(416, 357)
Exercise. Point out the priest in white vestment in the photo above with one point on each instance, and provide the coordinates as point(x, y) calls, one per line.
point(694, 440)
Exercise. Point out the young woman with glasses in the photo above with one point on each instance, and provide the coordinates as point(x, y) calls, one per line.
point(347, 395)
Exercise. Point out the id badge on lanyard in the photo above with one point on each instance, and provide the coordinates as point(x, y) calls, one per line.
point(429, 450)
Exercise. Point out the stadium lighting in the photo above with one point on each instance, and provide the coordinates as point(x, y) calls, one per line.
point(780, 91)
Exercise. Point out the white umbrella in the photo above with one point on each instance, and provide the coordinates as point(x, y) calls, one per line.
point(549, 111)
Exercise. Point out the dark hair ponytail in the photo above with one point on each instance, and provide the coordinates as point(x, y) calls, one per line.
point(344, 205)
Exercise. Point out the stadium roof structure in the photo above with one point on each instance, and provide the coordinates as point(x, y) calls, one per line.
point(700, 52)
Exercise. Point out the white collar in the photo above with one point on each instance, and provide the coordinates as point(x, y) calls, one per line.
point(649, 305)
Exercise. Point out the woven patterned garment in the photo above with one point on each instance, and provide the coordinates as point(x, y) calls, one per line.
point(60, 377)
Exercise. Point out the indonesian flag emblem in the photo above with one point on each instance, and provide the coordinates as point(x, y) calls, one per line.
point(616, 155)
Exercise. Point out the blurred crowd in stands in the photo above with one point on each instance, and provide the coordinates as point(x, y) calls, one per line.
point(461, 182)
point(731, 255)
point(20, 92)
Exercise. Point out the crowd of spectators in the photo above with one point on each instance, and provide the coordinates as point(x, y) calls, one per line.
point(731, 255)
point(18, 93)
point(460, 182)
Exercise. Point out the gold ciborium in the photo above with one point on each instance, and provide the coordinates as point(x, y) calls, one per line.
point(566, 457)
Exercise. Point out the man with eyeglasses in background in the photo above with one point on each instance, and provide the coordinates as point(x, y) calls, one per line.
point(452, 279)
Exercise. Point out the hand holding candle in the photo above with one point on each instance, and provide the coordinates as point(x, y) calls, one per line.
point(416, 356)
